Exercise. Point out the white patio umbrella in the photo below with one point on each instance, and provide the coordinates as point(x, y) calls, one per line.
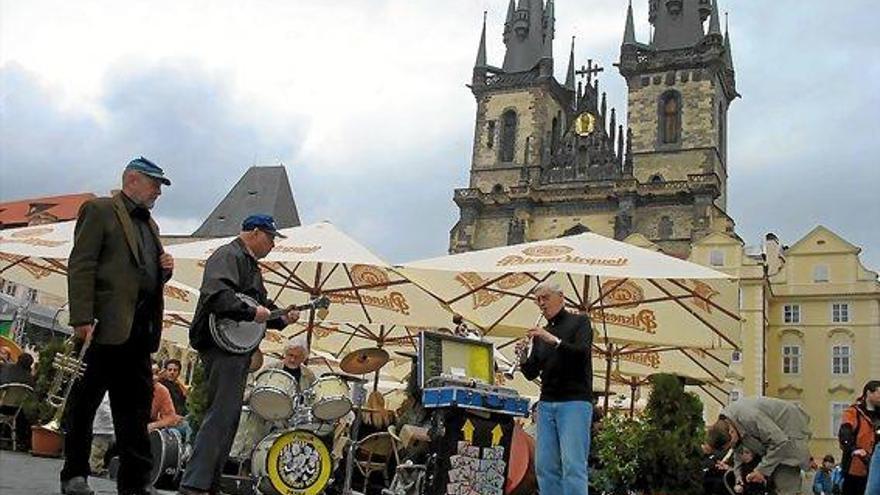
point(631, 294)
point(36, 257)
point(317, 260)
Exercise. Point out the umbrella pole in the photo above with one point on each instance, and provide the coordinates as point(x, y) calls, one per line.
point(608, 358)
point(632, 399)
point(376, 381)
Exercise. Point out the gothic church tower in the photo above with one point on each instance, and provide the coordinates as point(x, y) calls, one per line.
point(550, 159)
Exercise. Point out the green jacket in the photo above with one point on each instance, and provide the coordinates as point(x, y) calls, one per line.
point(775, 429)
point(103, 272)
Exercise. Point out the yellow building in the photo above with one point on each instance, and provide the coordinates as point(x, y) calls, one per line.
point(810, 323)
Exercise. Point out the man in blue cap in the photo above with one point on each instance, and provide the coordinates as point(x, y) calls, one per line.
point(116, 273)
point(231, 270)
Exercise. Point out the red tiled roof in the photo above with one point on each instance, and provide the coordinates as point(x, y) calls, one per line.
point(59, 208)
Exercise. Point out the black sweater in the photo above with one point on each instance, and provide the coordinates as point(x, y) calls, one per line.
point(566, 371)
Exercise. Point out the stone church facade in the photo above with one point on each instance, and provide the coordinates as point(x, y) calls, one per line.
point(550, 158)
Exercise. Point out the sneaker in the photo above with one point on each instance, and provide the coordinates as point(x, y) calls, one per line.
point(76, 486)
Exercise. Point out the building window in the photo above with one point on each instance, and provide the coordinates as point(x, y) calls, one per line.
point(736, 357)
point(508, 135)
point(791, 313)
point(490, 134)
point(791, 359)
point(837, 409)
point(841, 359)
point(820, 273)
point(9, 289)
point(665, 228)
point(840, 312)
point(554, 135)
point(716, 258)
point(670, 117)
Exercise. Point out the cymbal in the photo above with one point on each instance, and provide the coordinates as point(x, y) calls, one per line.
point(364, 361)
point(346, 377)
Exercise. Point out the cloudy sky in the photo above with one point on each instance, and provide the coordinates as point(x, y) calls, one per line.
point(364, 102)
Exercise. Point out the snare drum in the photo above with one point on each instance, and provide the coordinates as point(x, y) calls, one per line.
point(273, 394)
point(251, 428)
point(329, 397)
point(167, 449)
point(291, 462)
point(304, 419)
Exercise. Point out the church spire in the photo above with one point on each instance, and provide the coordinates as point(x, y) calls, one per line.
point(528, 35)
point(677, 24)
point(714, 21)
point(629, 32)
point(569, 75)
point(728, 53)
point(481, 51)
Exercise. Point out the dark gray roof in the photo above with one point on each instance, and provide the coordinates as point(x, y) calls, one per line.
point(260, 190)
point(528, 34)
point(677, 29)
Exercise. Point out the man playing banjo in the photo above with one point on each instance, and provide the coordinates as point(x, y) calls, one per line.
point(230, 272)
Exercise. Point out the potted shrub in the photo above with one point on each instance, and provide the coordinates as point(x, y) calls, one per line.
point(197, 399)
point(671, 455)
point(617, 445)
point(44, 441)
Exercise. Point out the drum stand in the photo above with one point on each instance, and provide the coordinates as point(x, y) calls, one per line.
point(358, 394)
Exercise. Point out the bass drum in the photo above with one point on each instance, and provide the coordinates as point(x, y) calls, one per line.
point(167, 448)
point(251, 428)
point(291, 462)
point(273, 395)
point(521, 478)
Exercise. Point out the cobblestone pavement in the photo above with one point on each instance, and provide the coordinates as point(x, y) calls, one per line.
point(22, 474)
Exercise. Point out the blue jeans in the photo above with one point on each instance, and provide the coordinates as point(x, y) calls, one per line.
point(562, 447)
point(873, 487)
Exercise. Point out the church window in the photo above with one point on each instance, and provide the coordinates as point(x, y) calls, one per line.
point(670, 117)
point(497, 189)
point(508, 135)
point(554, 135)
point(665, 227)
point(722, 131)
point(490, 134)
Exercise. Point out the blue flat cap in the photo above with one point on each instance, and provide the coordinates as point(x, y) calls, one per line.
point(149, 169)
point(263, 222)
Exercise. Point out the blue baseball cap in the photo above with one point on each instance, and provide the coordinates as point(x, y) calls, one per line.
point(263, 222)
point(149, 169)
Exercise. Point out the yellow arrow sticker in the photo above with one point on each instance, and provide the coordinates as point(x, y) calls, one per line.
point(468, 430)
point(497, 434)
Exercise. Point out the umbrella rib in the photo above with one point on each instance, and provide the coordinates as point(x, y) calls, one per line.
point(706, 300)
point(517, 303)
point(603, 294)
point(329, 274)
point(698, 363)
point(478, 288)
point(357, 293)
point(695, 315)
point(365, 286)
point(574, 289)
point(710, 394)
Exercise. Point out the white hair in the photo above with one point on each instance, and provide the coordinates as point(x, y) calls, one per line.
point(548, 286)
point(294, 342)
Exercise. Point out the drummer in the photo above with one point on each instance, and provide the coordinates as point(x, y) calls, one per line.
point(296, 353)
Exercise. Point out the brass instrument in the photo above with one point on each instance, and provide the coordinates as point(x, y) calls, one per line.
point(522, 356)
point(68, 369)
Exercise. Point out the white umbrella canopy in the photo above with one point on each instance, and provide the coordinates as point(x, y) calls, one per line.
point(319, 259)
point(631, 294)
point(36, 257)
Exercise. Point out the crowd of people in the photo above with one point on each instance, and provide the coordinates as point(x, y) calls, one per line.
point(116, 273)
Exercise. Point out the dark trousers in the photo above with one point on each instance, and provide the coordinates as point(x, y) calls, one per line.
point(124, 372)
point(225, 376)
point(854, 485)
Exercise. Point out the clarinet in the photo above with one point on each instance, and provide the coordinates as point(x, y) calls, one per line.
point(522, 357)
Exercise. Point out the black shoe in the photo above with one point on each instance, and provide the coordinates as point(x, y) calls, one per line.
point(76, 486)
point(143, 491)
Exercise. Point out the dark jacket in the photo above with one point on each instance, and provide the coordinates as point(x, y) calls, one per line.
point(566, 371)
point(230, 270)
point(104, 273)
point(13, 373)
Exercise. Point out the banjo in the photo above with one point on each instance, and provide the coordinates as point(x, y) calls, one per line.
point(242, 337)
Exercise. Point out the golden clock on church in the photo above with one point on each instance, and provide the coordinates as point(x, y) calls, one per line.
point(585, 124)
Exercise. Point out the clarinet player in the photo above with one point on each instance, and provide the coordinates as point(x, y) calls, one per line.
point(560, 356)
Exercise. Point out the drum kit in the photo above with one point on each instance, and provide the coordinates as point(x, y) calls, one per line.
point(285, 437)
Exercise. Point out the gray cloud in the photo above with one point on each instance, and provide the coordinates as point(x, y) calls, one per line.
point(800, 138)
